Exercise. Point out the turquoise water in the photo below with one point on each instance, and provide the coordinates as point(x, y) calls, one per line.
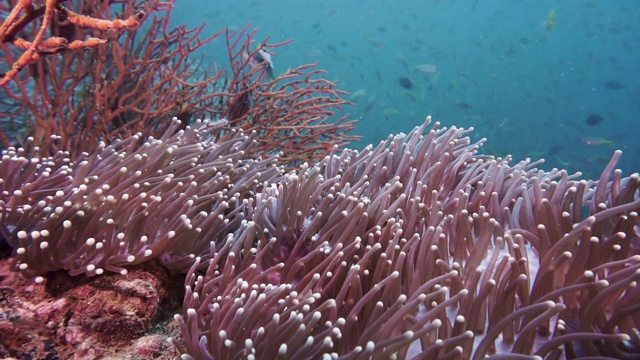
point(523, 80)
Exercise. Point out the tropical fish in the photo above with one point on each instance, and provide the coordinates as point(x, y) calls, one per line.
point(426, 68)
point(410, 94)
point(370, 102)
point(332, 49)
point(596, 141)
point(314, 53)
point(551, 20)
point(378, 75)
point(357, 94)
point(463, 105)
point(375, 43)
point(596, 159)
point(390, 112)
point(261, 56)
point(613, 85)
point(594, 119)
point(405, 82)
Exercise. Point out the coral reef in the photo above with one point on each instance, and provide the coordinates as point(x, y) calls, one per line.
point(23, 13)
point(87, 318)
point(258, 234)
point(417, 248)
point(149, 73)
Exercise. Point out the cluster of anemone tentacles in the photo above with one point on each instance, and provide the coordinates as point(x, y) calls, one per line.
point(417, 248)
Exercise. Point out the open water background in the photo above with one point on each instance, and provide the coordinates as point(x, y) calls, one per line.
point(523, 81)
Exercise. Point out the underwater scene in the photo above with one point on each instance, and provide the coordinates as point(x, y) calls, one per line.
point(419, 179)
point(558, 80)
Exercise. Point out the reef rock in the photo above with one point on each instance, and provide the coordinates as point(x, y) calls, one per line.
point(110, 316)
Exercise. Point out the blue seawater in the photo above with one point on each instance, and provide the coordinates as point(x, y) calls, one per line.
point(525, 74)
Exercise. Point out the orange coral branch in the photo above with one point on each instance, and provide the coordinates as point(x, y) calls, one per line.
point(290, 115)
point(99, 24)
point(89, 43)
point(132, 84)
point(54, 42)
point(39, 46)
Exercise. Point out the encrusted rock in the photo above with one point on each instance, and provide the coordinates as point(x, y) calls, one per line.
point(108, 316)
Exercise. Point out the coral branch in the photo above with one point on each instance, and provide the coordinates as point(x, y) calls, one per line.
point(99, 24)
point(39, 46)
point(133, 84)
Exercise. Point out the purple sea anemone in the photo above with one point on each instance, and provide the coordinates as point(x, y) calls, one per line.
point(420, 248)
point(167, 198)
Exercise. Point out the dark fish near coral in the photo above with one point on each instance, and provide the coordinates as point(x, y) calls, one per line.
point(368, 107)
point(554, 150)
point(261, 56)
point(405, 82)
point(378, 75)
point(594, 119)
point(613, 85)
point(239, 106)
point(464, 106)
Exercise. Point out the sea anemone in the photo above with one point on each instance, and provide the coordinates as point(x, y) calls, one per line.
point(418, 248)
point(421, 248)
point(126, 203)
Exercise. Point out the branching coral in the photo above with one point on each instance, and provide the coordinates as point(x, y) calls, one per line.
point(291, 113)
point(23, 13)
point(143, 76)
point(131, 84)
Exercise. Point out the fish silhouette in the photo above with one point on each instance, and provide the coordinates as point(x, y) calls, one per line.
point(261, 57)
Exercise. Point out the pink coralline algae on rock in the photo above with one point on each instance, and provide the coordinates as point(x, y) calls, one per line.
point(111, 316)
